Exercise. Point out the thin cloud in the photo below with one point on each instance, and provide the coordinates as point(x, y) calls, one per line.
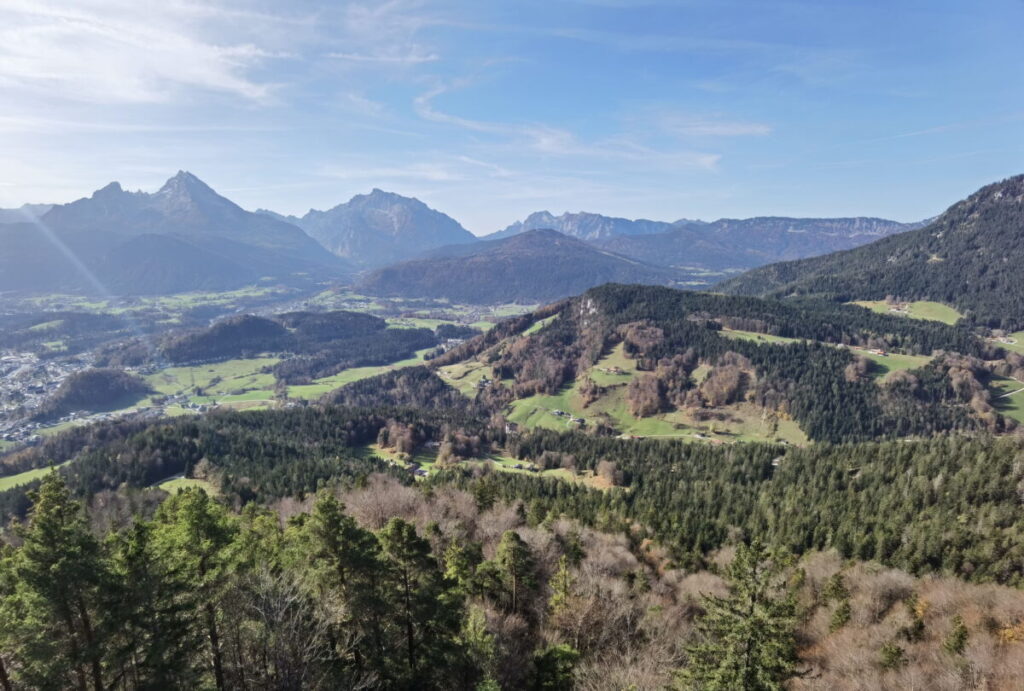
point(107, 52)
point(701, 127)
point(409, 59)
point(554, 141)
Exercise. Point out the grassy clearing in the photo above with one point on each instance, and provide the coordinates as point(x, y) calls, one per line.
point(424, 458)
point(58, 428)
point(464, 376)
point(540, 324)
point(754, 336)
point(416, 323)
point(1007, 397)
point(176, 484)
point(1016, 344)
point(893, 362)
point(921, 309)
point(231, 377)
point(28, 476)
point(319, 387)
point(614, 368)
point(46, 325)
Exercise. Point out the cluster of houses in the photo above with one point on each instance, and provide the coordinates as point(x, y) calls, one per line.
point(25, 383)
point(569, 417)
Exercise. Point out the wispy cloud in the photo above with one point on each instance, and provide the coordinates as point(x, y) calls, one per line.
point(110, 51)
point(407, 59)
point(688, 126)
point(555, 141)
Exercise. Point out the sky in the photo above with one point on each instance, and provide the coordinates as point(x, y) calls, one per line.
point(491, 109)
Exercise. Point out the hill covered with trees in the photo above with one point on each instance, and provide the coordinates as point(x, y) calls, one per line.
point(93, 389)
point(698, 356)
point(535, 266)
point(968, 257)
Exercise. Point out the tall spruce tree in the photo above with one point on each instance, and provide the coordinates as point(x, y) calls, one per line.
point(196, 534)
point(61, 575)
point(427, 611)
point(345, 569)
point(148, 617)
point(746, 640)
point(516, 567)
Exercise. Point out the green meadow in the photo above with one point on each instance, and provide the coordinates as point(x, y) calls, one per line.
point(921, 309)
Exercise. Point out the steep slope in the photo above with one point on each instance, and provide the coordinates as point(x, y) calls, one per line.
point(583, 226)
point(969, 257)
point(381, 228)
point(183, 237)
point(747, 243)
point(535, 266)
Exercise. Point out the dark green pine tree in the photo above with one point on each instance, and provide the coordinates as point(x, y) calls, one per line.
point(61, 575)
point(149, 620)
point(746, 640)
point(427, 612)
point(345, 568)
point(195, 534)
point(11, 616)
point(516, 567)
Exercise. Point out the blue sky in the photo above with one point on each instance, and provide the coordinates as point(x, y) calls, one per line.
point(491, 109)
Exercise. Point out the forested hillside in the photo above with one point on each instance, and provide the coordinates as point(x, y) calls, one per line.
point(968, 257)
point(536, 266)
point(477, 579)
point(697, 353)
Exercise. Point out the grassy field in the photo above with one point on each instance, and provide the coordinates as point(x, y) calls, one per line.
point(176, 484)
point(170, 303)
point(922, 309)
point(464, 376)
point(1007, 397)
point(883, 364)
point(540, 324)
point(58, 428)
point(616, 358)
point(754, 336)
point(10, 481)
point(416, 323)
point(230, 377)
point(1017, 345)
point(321, 386)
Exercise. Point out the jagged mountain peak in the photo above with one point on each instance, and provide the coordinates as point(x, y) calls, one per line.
point(186, 186)
point(381, 227)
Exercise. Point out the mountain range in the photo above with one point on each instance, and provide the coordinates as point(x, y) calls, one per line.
point(25, 212)
point(584, 226)
point(183, 237)
point(380, 228)
point(535, 266)
point(969, 257)
point(739, 244)
point(187, 237)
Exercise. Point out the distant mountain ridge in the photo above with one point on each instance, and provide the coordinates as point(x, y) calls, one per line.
point(380, 228)
point(746, 243)
point(535, 266)
point(969, 257)
point(182, 237)
point(583, 226)
point(24, 213)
